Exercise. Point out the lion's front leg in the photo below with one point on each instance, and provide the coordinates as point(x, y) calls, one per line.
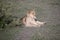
point(40, 23)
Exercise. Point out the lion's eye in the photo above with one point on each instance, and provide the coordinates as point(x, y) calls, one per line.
point(33, 13)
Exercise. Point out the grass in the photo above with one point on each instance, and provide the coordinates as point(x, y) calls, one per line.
point(49, 33)
point(47, 10)
point(10, 33)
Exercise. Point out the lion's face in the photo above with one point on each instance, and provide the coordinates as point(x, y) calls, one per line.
point(31, 13)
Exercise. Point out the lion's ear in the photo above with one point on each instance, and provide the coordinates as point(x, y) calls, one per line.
point(28, 12)
point(33, 9)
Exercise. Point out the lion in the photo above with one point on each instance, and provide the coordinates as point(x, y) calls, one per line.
point(30, 19)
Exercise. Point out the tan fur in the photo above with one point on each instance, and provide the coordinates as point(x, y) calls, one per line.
point(29, 19)
point(23, 20)
point(29, 12)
